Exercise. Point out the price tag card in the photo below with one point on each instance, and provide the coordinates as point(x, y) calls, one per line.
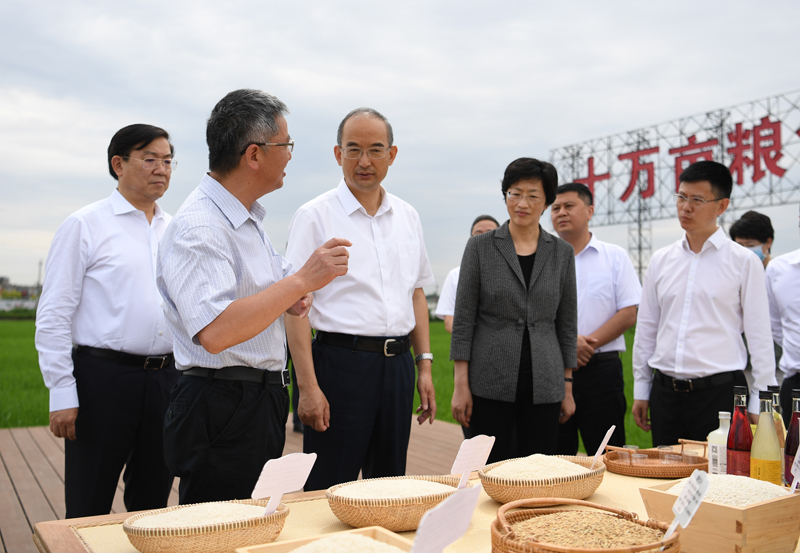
point(795, 471)
point(284, 475)
point(471, 456)
point(446, 522)
point(603, 445)
point(690, 498)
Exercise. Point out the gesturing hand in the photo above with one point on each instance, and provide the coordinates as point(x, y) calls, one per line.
point(326, 263)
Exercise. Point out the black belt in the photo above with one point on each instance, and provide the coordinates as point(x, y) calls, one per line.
point(389, 347)
point(242, 374)
point(604, 356)
point(695, 384)
point(147, 362)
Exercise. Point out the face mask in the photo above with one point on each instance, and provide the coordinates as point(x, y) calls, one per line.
point(758, 250)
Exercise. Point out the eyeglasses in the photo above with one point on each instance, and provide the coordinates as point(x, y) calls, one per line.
point(152, 163)
point(372, 153)
point(516, 197)
point(680, 199)
point(289, 145)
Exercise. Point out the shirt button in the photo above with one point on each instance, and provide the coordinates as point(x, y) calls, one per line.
point(160, 333)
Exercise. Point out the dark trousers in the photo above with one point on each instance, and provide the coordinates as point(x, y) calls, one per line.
point(599, 393)
point(218, 434)
point(120, 423)
point(690, 415)
point(371, 400)
point(789, 384)
point(520, 428)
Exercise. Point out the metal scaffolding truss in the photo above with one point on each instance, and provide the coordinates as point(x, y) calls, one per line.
point(743, 137)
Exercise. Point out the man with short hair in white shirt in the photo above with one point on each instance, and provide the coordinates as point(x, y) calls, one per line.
point(698, 295)
point(783, 291)
point(608, 294)
point(105, 351)
point(356, 392)
point(226, 290)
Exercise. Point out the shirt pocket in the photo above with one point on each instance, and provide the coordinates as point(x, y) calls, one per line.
point(408, 258)
point(600, 285)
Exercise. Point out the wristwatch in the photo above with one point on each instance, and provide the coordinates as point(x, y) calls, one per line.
point(421, 356)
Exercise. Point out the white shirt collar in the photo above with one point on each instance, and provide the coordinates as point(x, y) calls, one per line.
point(120, 205)
point(717, 240)
point(228, 204)
point(350, 203)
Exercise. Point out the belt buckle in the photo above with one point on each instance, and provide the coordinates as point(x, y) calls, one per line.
point(675, 387)
point(147, 365)
point(385, 347)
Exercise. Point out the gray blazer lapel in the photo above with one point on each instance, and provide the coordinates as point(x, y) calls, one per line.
point(504, 243)
point(544, 249)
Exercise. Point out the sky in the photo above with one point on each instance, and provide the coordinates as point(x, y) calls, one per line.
point(468, 86)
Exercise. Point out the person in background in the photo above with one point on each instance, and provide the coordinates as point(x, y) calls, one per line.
point(446, 306)
point(783, 291)
point(109, 392)
point(515, 326)
point(608, 295)
point(226, 291)
point(697, 296)
point(754, 231)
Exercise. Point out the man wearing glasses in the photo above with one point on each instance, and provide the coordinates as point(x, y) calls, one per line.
point(356, 393)
point(225, 290)
point(109, 392)
point(697, 297)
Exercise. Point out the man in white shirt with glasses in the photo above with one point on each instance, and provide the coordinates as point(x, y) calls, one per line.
point(356, 393)
point(105, 351)
point(698, 296)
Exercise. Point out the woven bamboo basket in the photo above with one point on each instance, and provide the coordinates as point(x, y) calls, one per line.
point(504, 539)
point(653, 467)
point(208, 538)
point(397, 515)
point(579, 486)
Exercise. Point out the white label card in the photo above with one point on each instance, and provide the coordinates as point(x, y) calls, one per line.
point(284, 475)
point(689, 500)
point(795, 471)
point(446, 522)
point(472, 455)
point(603, 445)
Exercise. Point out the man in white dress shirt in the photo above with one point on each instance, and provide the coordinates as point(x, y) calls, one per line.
point(698, 295)
point(105, 351)
point(608, 294)
point(783, 291)
point(226, 290)
point(356, 393)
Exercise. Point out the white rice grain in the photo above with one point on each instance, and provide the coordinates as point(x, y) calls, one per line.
point(346, 543)
point(200, 515)
point(392, 489)
point(737, 491)
point(537, 467)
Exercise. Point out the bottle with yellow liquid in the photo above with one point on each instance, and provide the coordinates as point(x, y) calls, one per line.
point(765, 454)
point(780, 428)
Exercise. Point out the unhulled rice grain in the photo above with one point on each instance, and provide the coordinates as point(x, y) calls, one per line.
point(346, 543)
point(537, 467)
point(737, 491)
point(200, 515)
point(586, 529)
point(392, 489)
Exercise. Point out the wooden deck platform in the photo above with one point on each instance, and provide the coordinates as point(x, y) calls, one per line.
point(32, 474)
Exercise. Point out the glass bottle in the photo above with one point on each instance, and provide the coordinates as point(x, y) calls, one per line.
point(740, 436)
point(780, 428)
point(792, 438)
point(717, 445)
point(765, 453)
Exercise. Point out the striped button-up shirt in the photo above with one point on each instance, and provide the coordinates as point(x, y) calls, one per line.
point(214, 252)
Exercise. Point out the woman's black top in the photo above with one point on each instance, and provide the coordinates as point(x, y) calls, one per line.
point(525, 381)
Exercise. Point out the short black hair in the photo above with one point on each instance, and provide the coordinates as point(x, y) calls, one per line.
point(581, 189)
point(480, 218)
point(368, 112)
point(754, 226)
point(134, 137)
point(528, 168)
point(715, 173)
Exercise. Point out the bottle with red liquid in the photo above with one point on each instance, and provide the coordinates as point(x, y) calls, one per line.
point(740, 436)
point(792, 438)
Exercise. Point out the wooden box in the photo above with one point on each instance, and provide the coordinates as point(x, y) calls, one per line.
point(374, 532)
point(768, 527)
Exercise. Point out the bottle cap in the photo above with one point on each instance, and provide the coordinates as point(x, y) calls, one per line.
point(765, 395)
point(796, 393)
point(740, 390)
point(724, 415)
point(774, 389)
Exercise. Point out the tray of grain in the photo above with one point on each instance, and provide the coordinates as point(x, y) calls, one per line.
point(395, 503)
point(652, 466)
point(598, 528)
point(364, 540)
point(205, 527)
point(738, 514)
point(536, 476)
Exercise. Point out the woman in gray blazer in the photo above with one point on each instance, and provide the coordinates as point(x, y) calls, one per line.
point(515, 326)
